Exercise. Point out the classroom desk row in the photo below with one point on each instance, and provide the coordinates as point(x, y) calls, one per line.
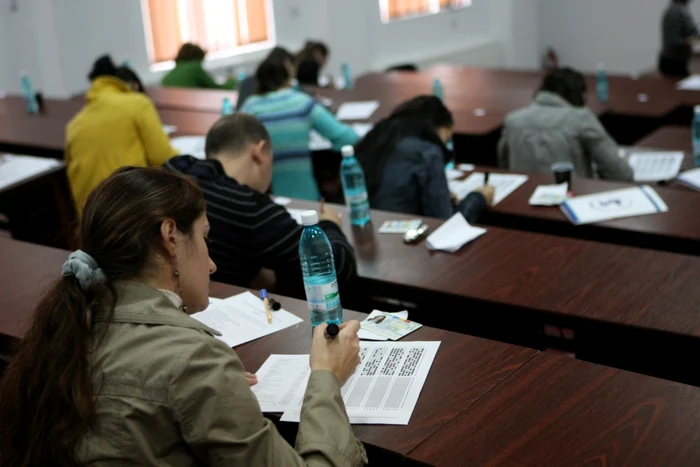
point(483, 403)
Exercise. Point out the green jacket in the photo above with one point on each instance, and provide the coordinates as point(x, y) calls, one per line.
point(190, 74)
point(168, 393)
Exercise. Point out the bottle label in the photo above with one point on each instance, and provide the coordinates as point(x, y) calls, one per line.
point(322, 297)
point(358, 201)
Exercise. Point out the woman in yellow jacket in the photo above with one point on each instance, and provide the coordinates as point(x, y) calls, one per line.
point(117, 127)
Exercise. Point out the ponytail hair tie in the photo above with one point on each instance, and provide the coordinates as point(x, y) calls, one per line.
point(84, 268)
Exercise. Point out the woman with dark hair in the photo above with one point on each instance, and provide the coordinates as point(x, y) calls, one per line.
point(249, 86)
point(679, 33)
point(558, 127)
point(130, 77)
point(290, 115)
point(310, 60)
point(113, 369)
point(117, 127)
point(189, 73)
point(404, 158)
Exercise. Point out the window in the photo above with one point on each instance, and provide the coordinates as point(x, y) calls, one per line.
point(391, 10)
point(221, 27)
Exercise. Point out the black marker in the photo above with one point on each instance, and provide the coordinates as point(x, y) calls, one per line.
point(274, 304)
point(332, 330)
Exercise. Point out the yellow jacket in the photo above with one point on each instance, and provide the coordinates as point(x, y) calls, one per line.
point(116, 128)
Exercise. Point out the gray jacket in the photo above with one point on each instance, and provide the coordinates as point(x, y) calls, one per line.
point(552, 130)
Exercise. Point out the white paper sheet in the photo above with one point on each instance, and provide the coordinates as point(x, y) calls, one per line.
point(279, 380)
point(453, 234)
point(655, 166)
point(281, 200)
point(384, 389)
point(242, 318)
point(319, 143)
point(628, 202)
point(190, 145)
point(296, 214)
point(169, 129)
point(14, 168)
point(691, 83)
point(549, 195)
point(453, 174)
point(466, 167)
point(504, 184)
point(360, 110)
point(691, 178)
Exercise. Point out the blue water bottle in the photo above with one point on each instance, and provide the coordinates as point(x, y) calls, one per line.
point(240, 76)
point(602, 84)
point(438, 90)
point(28, 93)
point(354, 189)
point(347, 76)
point(226, 107)
point(696, 136)
point(318, 270)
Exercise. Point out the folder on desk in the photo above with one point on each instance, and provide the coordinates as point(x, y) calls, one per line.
point(627, 202)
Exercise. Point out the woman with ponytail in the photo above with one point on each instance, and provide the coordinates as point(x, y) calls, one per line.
point(114, 371)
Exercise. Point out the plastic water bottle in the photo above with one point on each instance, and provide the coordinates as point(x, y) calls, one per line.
point(696, 136)
point(438, 90)
point(240, 76)
point(226, 107)
point(28, 93)
point(353, 178)
point(602, 84)
point(347, 76)
point(318, 269)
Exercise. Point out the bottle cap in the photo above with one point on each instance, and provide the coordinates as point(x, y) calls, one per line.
point(347, 151)
point(601, 66)
point(309, 218)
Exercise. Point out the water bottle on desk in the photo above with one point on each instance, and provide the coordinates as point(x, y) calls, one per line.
point(226, 107)
point(602, 84)
point(29, 94)
point(347, 76)
point(354, 189)
point(438, 90)
point(318, 270)
point(696, 136)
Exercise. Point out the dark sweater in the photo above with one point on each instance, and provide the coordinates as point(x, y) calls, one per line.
point(676, 27)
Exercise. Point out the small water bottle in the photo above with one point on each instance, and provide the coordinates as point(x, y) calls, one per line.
point(240, 76)
point(354, 189)
point(438, 90)
point(347, 76)
point(696, 136)
point(602, 84)
point(318, 270)
point(28, 93)
point(226, 107)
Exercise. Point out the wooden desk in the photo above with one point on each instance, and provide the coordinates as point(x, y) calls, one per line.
point(197, 100)
point(670, 138)
point(561, 412)
point(465, 368)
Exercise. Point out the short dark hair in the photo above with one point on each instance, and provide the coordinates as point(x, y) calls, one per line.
point(103, 66)
point(568, 83)
point(271, 75)
point(190, 51)
point(310, 47)
point(234, 133)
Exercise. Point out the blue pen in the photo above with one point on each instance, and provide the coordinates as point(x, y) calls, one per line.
point(266, 301)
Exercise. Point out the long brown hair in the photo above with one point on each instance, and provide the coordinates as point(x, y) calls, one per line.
point(46, 396)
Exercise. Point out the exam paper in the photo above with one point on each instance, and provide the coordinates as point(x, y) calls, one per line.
point(14, 169)
point(453, 234)
point(360, 110)
point(615, 204)
point(383, 390)
point(242, 318)
point(504, 184)
point(190, 145)
point(655, 166)
point(549, 195)
point(691, 83)
point(279, 381)
point(691, 178)
point(319, 143)
point(453, 174)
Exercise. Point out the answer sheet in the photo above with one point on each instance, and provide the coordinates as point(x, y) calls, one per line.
point(15, 169)
point(242, 319)
point(383, 391)
point(360, 110)
point(504, 184)
point(655, 166)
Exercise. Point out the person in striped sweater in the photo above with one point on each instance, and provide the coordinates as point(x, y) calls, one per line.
point(254, 242)
point(290, 115)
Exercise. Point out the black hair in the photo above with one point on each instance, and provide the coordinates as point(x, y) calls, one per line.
point(190, 51)
point(103, 66)
point(682, 2)
point(234, 133)
point(569, 84)
point(420, 118)
point(281, 54)
point(271, 75)
point(128, 75)
point(310, 47)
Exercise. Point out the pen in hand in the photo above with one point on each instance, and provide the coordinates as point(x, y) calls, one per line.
point(266, 301)
point(486, 178)
point(332, 330)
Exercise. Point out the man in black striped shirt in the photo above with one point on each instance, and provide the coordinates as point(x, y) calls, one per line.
point(254, 242)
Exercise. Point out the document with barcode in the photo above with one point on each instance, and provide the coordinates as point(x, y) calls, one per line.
point(383, 390)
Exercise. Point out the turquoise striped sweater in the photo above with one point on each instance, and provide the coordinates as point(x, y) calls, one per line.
point(289, 115)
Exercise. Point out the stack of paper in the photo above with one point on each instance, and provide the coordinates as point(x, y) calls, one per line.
point(360, 110)
point(384, 389)
point(655, 166)
point(504, 184)
point(242, 318)
point(453, 234)
point(14, 169)
point(549, 195)
point(691, 83)
point(628, 202)
point(190, 145)
point(691, 178)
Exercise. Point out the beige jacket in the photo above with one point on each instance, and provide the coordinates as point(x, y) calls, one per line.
point(168, 393)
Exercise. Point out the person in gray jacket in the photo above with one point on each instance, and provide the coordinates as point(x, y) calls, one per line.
point(679, 32)
point(557, 127)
